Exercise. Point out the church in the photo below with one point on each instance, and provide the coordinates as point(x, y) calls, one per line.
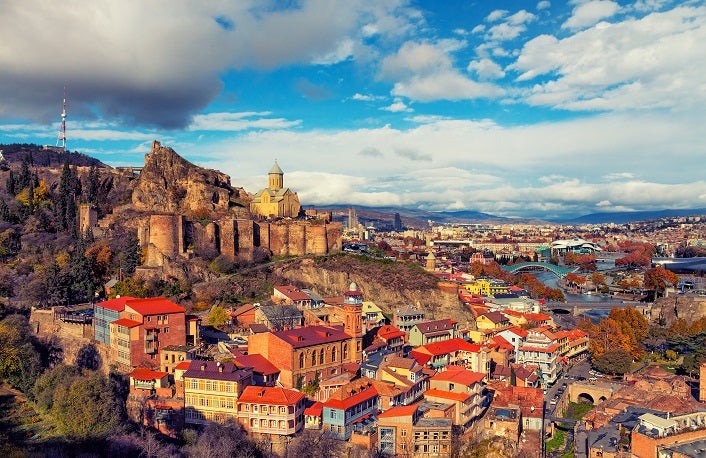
point(275, 201)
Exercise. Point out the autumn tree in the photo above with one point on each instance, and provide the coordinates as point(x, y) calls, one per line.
point(20, 362)
point(314, 444)
point(218, 317)
point(658, 278)
point(598, 280)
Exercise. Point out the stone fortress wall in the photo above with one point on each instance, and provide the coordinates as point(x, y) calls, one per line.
point(168, 236)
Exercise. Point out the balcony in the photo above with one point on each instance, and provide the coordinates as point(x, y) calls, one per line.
point(150, 347)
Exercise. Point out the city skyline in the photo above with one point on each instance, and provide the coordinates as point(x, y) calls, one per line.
point(519, 109)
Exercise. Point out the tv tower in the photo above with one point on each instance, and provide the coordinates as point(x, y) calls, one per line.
point(61, 139)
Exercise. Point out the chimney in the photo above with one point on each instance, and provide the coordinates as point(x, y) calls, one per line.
point(203, 367)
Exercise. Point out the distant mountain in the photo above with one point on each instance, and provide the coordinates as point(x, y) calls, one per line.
point(631, 217)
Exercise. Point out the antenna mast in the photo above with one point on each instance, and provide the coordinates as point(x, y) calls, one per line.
point(61, 139)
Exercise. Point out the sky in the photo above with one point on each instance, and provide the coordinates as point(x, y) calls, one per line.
point(547, 109)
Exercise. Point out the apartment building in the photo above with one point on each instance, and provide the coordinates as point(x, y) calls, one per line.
point(212, 389)
point(271, 411)
point(402, 431)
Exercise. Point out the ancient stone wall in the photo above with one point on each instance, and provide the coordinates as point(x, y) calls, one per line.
point(316, 241)
point(88, 217)
point(334, 232)
point(228, 233)
point(166, 236)
point(297, 239)
point(246, 238)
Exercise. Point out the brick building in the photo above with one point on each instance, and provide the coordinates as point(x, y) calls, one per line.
point(271, 411)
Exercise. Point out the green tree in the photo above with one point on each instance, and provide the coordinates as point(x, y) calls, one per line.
point(615, 362)
point(218, 317)
point(10, 184)
point(20, 362)
point(87, 408)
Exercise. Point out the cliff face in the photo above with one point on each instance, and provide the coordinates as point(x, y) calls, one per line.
point(379, 286)
point(169, 183)
point(691, 308)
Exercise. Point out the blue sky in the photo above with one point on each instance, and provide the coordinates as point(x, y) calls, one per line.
point(523, 109)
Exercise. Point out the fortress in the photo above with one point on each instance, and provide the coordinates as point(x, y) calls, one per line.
point(236, 226)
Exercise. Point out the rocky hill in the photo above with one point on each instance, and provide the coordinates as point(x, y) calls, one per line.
point(169, 183)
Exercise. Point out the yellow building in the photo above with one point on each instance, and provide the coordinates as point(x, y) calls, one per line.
point(211, 391)
point(275, 201)
point(485, 287)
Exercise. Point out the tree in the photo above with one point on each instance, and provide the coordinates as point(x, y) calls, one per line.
point(658, 278)
point(218, 317)
point(314, 444)
point(222, 441)
point(20, 364)
point(615, 362)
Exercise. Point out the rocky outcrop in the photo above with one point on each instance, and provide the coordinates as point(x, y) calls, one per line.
point(169, 183)
point(673, 307)
point(379, 287)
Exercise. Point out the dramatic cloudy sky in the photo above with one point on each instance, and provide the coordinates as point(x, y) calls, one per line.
point(514, 108)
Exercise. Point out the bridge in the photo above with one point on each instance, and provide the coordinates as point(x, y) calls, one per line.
point(576, 308)
point(559, 271)
point(593, 393)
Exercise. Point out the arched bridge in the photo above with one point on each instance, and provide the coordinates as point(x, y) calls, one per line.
point(559, 271)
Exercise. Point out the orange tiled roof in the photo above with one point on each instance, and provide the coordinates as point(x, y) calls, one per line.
point(270, 395)
point(462, 376)
point(450, 395)
point(399, 411)
point(126, 322)
point(142, 373)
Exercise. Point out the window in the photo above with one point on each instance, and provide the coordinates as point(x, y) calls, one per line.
point(255, 408)
point(282, 410)
point(166, 330)
point(321, 356)
point(166, 358)
point(333, 354)
point(313, 358)
point(404, 433)
point(194, 384)
point(301, 360)
point(345, 351)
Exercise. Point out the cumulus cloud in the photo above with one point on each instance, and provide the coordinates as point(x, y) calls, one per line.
point(239, 121)
point(589, 13)
point(543, 5)
point(398, 106)
point(652, 62)
point(486, 69)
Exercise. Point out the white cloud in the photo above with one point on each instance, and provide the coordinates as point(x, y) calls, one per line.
point(543, 5)
point(486, 69)
point(496, 15)
point(239, 121)
point(398, 106)
point(589, 13)
point(445, 85)
point(653, 62)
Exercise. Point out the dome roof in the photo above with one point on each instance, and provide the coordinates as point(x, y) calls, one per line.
point(353, 287)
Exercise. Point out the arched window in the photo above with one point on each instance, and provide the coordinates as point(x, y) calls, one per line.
point(313, 358)
point(345, 351)
point(321, 356)
point(333, 354)
point(301, 360)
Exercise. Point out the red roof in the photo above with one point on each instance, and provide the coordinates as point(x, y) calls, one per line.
point(259, 364)
point(436, 325)
point(184, 365)
point(314, 410)
point(126, 322)
point(389, 331)
point(293, 293)
point(117, 304)
point(364, 394)
point(154, 306)
point(270, 395)
point(448, 346)
point(461, 397)
point(142, 373)
point(462, 376)
point(399, 411)
point(522, 332)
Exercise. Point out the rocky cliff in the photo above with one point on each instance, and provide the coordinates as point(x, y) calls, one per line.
point(169, 183)
point(389, 285)
point(688, 307)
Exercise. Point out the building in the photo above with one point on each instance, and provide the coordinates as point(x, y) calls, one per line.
point(406, 317)
point(275, 201)
point(461, 387)
point(402, 431)
point(211, 391)
point(145, 327)
point(453, 352)
point(271, 411)
point(291, 295)
point(351, 404)
point(153, 402)
point(372, 316)
point(104, 313)
point(171, 355)
point(540, 350)
point(432, 331)
point(312, 353)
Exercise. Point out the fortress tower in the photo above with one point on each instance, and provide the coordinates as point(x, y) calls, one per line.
point(87, 217)
point(702, 382)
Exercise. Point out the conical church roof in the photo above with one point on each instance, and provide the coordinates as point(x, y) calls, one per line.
point(275, 169)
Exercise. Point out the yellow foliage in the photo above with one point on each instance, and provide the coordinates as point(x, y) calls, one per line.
point(62, 259)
